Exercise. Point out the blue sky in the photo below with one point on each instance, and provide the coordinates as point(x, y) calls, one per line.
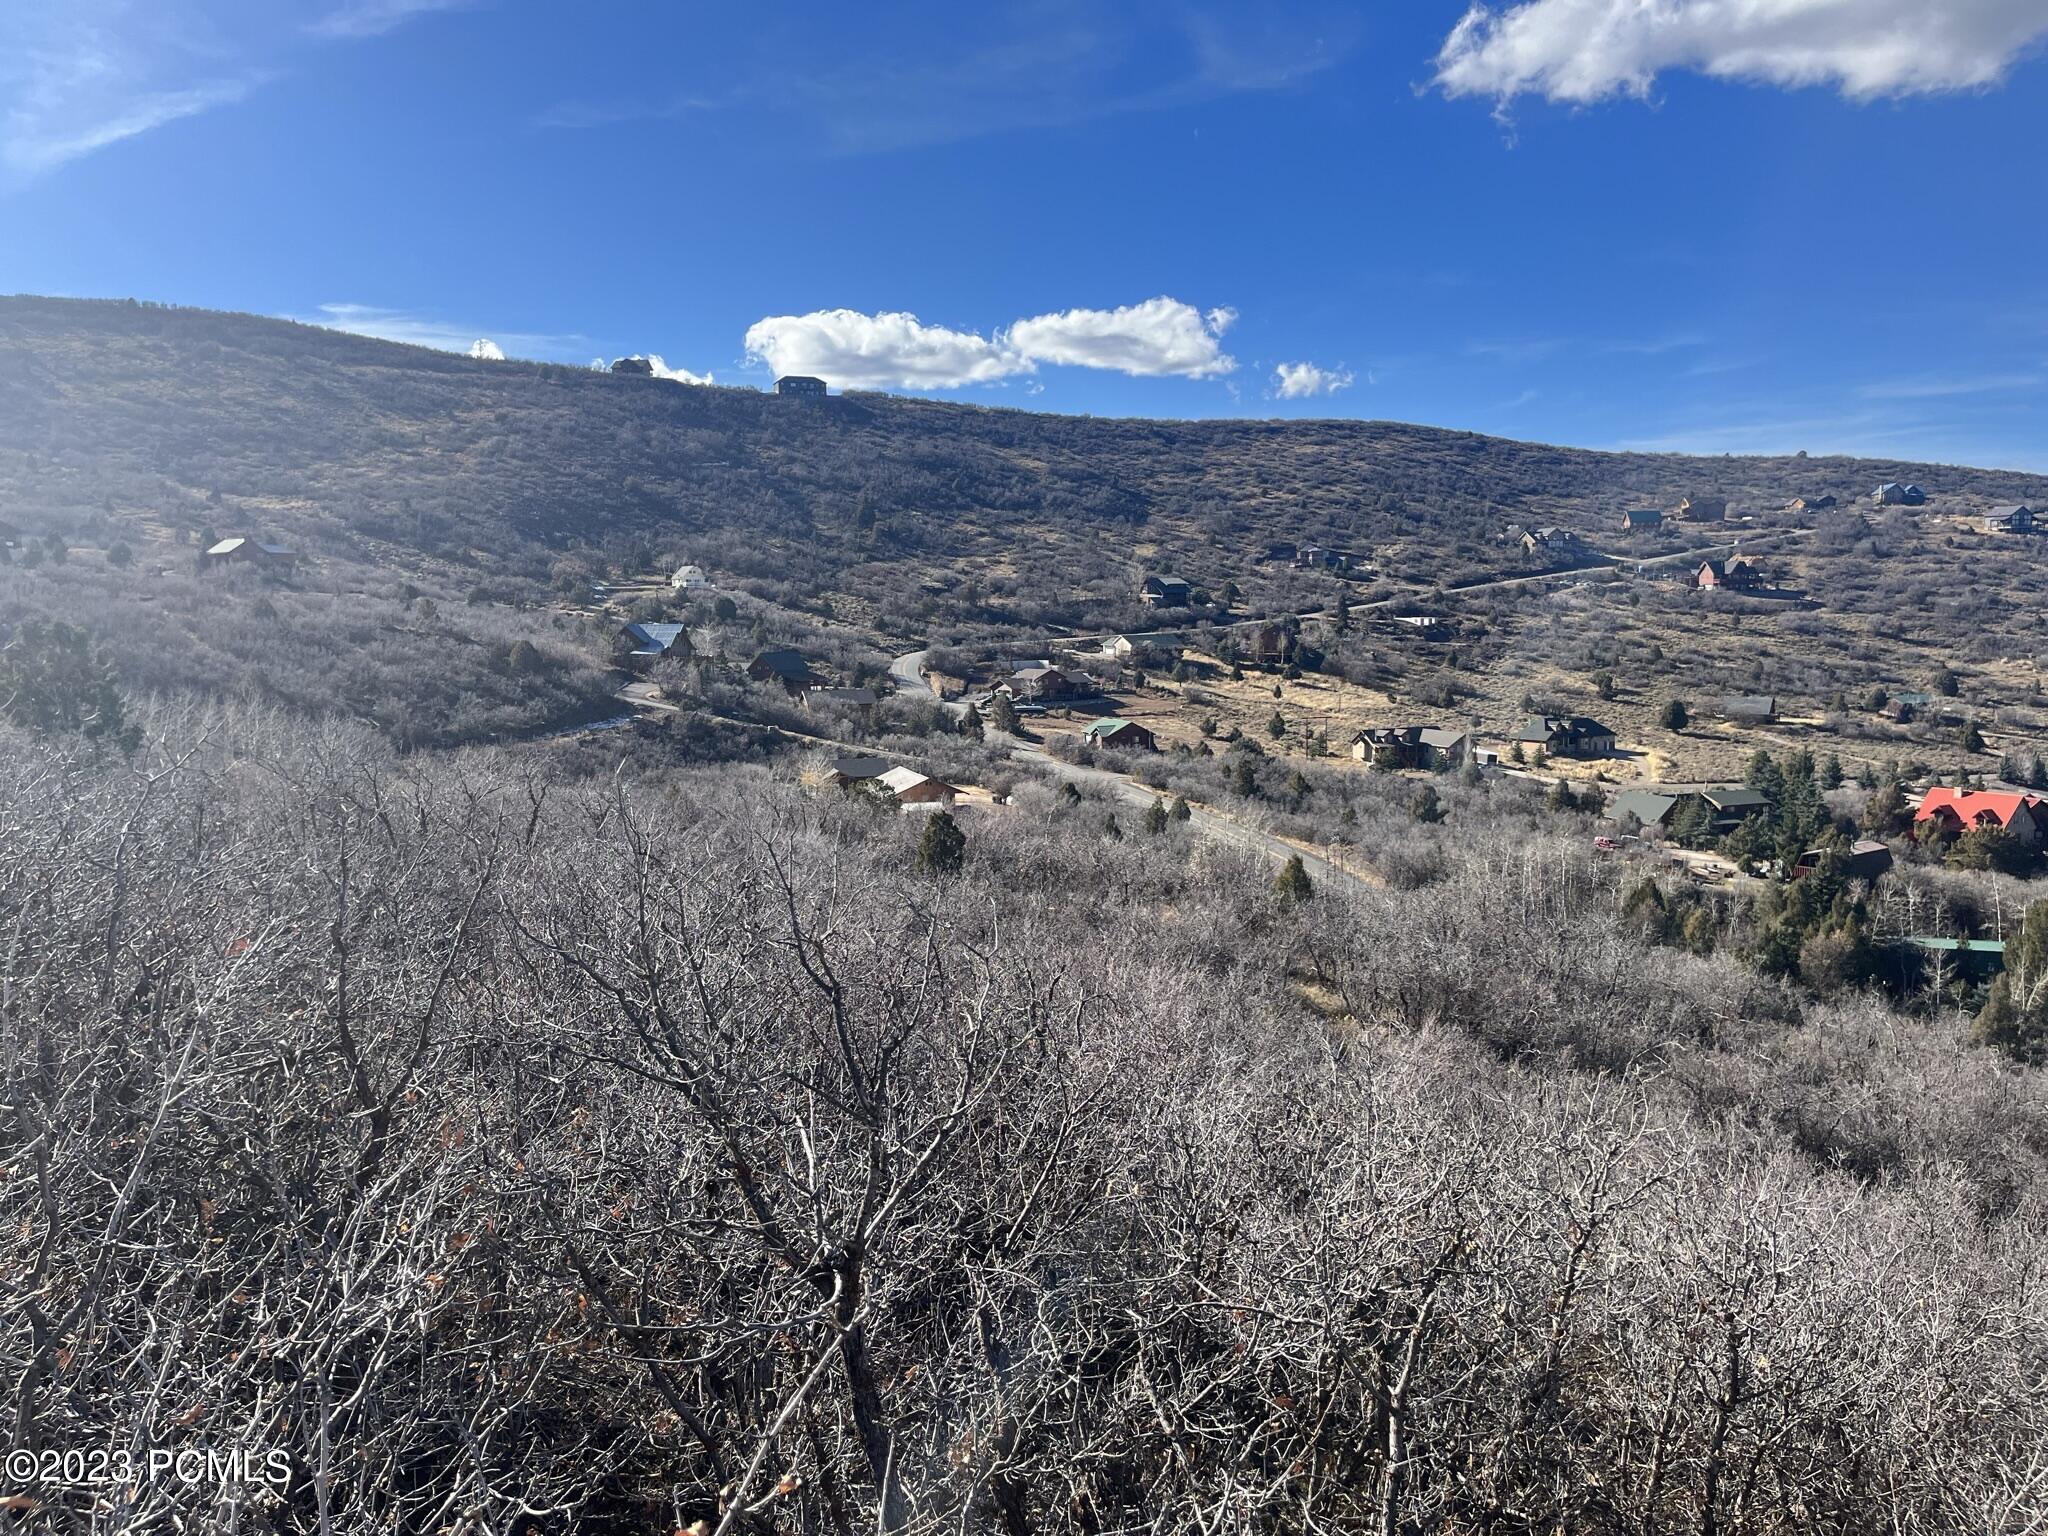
point(1696, 225)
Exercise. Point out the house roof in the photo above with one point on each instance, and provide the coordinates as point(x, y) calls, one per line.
point(900, 781)
point(844, 695)
point(653, 639)
point(1111, 727)
point(1975, 807)
point(1750, 704)
point(1543, 727)
point(860, 767)
point(784, 663)
point(1647, 806)
point(1736, 798)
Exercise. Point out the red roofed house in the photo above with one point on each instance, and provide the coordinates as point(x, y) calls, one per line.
point(1964, 810)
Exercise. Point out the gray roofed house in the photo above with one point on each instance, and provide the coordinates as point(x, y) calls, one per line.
point(240, 550)
point(1413, 746)
point(1575, 736)
point(1649, 808)
point(848, 698)
point(858, 769)
point(787, 667)
point(1165, 592)
point(1641, 517)
point(2018, 519)
point(645, 642)
point(1750, 706)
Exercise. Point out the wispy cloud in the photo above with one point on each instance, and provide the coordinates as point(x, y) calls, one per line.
point(1067, 64)
point(418, 330)
point(373, 18)
point(1950, 388)
point(35, 141)
point(77, 76)
point(1301, 381)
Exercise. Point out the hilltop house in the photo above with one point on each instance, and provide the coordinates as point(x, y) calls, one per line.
point(1641, 519)
point(1893, 494)
point(1165, 592)
point(1127, 735)
point(1270, 644)
point(1811, 503)
point(2009, 520)
point(1738, 575)
point(689, 578)
point(785, 667)
point(247, 551)
point(634, 367)
point(1412, 746)
point(1560, 736)
point(640, 645)
point(1960, 810)
point(1703, 509)
point(801, 385)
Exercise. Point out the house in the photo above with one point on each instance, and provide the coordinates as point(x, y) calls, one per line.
point(1554, 543)
point(1155, 648)
point(2009, 520)
point(1865, 860)
point(689, 578)
point(1127, 735)
point(1649, 809)
point(1703, 509)
point(1559, 736)
point(247, 551)
point(1893, 494)
point(638, 367)
point(844, 698)
point(1641, 518)
point(1811, 503)
point(801, 385)
point(1043, 682)
point(1737, 575)
point(1758, 708)
point(1315, 557)
point(1165, 592)
point(1730, 807)
point(785, 667)
point(847, 771)
point(1412, 746)
point(909, 787)
point(1270, 644)
point(639, 645)
point(1962, 810)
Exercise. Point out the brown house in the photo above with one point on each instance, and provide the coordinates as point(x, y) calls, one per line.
point(786, 667)
point(1127, 735)
point(242, 550)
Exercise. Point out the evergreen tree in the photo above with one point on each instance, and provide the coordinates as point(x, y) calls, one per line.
point(53, 680)
point(1293, 883)
point(1675, 716)
point(1004, 714)
point(1277, 726)
point(1244, 779)
point(1424, 805)
point(943, 847)
point(1180, 811)
point(1156, 817)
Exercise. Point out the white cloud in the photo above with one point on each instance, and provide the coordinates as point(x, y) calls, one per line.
point(857, 351)
point(34, 141)
point(416, 330)
point(1299, 381)
point(373, 18)
point(1160, 337)
point(674, 375)
point(1949, 388)
point(1583, 51)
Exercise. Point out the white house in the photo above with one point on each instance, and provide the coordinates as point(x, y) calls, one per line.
point(689, 578)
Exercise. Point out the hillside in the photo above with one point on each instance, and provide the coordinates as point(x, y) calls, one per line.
point(119, 420)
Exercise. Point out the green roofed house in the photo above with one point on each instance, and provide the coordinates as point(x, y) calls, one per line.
point(1649, 808)
point(1127, 735)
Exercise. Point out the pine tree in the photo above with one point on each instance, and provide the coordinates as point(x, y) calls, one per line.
point(1293, 883)
point(1156, 817)
point(1004, 714)
point(943, 847)
point(1180, 810)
